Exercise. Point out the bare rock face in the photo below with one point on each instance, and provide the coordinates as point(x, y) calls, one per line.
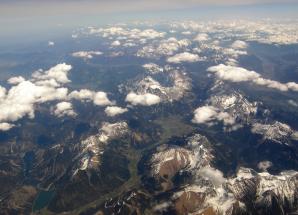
point(183, 205)
point(247, 193)
point(209, 192)
point(168, 160)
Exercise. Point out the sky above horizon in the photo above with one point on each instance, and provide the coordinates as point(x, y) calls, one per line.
point(30, 18)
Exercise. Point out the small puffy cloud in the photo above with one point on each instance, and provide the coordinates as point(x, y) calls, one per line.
point(116, 43)
point(201, 37)
point(213, 175)
point(86, 54)
point(101, 99)
point(239, 74)
point(114, 110)
point(239, 44)
point(51, 43)
point(4, 126)
point(233, 73)
point(16, 80)
point(209, 115)
point(264, 165)
point(83, 94)
point(184, 57)
point(58, 73)
point(64, 109)
point(204, 114)
point(146, 99)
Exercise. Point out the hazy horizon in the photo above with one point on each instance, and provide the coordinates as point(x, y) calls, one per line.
point(30, 19)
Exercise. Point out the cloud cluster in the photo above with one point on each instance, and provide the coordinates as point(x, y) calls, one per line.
point(64, 109)
point(127, 33)
point(146, 99)
point(212, 174)
point(239, 74)
point(183, 57)
point(20, 100)
point(44, 86)
point(56, 74)
point(114, 110)
point(86, 54)
point(98, 98)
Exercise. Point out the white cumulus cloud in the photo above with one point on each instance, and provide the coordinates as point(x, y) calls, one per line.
point(4, 126)
point(146, 99)
point(15, 80)
point(239, 74)
point(101, 99)
point(64, 109)
point(214, 175)
point(45, 86)
point(184, 57)
point(209, 115)
point(114, 110)
point(116, 43)
point(21, 99)
point(57, 73)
